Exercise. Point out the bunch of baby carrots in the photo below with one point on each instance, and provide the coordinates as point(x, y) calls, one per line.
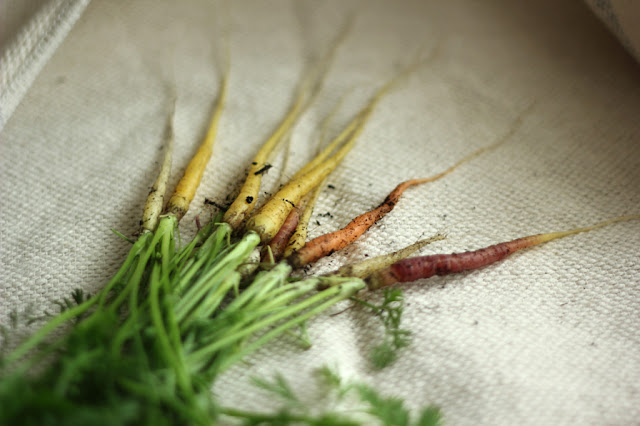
point(147, 348)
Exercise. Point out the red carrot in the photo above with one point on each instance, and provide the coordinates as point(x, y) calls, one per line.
point(416, 268)
point(279, 241)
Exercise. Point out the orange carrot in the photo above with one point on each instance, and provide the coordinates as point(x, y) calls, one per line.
point(325, 245)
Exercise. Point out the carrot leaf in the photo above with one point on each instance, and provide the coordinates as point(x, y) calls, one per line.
point(366, 405)
point(395, 338)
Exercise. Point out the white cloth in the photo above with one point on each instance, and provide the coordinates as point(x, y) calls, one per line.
point(549, 336)
point(30, 31)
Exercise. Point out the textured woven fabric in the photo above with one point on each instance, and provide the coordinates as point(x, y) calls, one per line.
point(621, 16)
point(31, 32)
point(549, 336)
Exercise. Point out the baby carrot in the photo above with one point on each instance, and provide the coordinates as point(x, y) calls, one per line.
point(278, 243)
point(155, 199)
point(370, 266)
point(268, 220)
point(327, 244)
point(356, 125)
point(416, 268)
point(246, 200)
point(186, 189)
point(272, 215)
point(299, 236)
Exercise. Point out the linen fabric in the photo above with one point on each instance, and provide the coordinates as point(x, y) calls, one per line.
point(549, 336)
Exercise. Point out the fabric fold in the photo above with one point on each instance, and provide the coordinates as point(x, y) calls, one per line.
point(27, 53)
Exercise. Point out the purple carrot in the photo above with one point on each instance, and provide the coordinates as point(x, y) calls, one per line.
point(416, 268)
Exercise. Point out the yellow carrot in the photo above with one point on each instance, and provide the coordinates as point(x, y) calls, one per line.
point(246, 200)
point(268, 220)
point(187, 186)
point(278, 243)
point(356, 124)
point(155, 199)
point(370, 266)
point(299, 236)
point(324, 154)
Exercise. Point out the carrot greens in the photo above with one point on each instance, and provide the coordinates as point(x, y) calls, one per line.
point(366, 405)
point(395, 338)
